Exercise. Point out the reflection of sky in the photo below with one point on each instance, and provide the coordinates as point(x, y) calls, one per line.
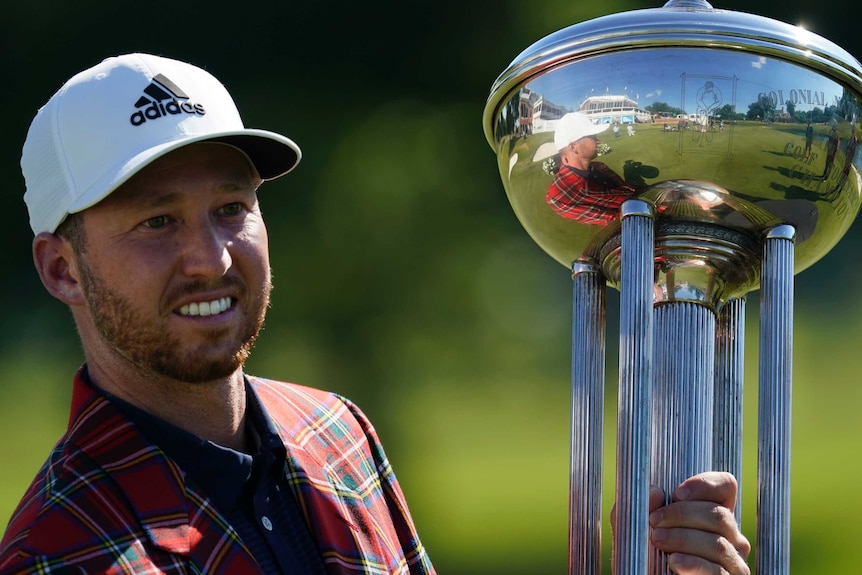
point(657, 75)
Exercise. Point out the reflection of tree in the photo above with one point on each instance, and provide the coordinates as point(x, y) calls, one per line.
point(847, 106)
point(507, 118)
point(664, 108)
point(727, 112)
point(760, 109)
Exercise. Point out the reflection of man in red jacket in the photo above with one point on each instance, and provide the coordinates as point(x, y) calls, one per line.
point(583, 190)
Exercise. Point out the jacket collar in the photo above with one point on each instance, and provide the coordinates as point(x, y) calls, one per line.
point(153, 484)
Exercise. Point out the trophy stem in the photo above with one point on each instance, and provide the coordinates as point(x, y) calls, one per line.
point(776, 355)
point(636, 356)
point(682, 399)
point(588, 376)
point(729, 387)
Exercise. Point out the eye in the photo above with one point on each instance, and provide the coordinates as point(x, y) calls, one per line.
point(232, 209)
point(156, 222)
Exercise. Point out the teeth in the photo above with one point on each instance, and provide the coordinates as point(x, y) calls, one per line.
point(205, 308)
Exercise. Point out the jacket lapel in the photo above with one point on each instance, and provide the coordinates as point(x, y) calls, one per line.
point(174, 517)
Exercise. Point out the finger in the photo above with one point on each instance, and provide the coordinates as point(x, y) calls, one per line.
point(705, 548)
point(703, 515)
point(656, 498)
point(717, 486)
point(682, 564)
point(710, 518)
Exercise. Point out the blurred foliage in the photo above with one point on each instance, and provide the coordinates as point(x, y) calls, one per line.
point(402, 278)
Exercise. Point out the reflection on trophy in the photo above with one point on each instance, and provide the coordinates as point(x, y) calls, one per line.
point(737, 168)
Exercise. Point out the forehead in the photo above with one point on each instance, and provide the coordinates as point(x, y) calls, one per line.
point(197, 168)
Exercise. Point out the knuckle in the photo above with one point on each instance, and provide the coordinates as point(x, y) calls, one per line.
point(724, 549)
point(744, 547)
point(728, 478)
point(730, 558)
point(723, 517)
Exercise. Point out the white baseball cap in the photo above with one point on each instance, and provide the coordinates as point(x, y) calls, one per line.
point(574, 126)
point(570, 128)
point(108, 122)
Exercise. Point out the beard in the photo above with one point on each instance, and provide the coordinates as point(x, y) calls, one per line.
point(149, 345)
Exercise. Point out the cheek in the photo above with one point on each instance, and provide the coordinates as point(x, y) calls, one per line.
point(253, 241)
point(131, 268)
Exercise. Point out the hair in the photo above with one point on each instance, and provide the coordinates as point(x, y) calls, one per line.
point(72, 230)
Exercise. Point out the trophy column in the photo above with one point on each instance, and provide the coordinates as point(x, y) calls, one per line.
point(587, 421)
point(776, 361)
point(636, 374)
point(728, 397)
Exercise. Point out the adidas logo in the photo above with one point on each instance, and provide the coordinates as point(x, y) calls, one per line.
point(162, 98)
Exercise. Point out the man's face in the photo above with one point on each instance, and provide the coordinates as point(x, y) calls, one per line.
point(580, 152)
point(176, 267)
point(588, 147)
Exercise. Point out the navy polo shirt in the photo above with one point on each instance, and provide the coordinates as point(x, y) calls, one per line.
point(249, 490)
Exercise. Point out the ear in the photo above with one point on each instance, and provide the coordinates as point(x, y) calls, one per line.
point(57, 265)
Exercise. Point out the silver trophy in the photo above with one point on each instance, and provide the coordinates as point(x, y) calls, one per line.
point(686, 156)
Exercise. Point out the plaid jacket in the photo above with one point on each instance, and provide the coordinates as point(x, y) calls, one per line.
point(108, 501)
point(588, 197)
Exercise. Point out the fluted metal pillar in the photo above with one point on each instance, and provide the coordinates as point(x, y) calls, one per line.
point(636, 356)
point(588, 376)
point(682, 399)
point(729, 388)
point(776, 355)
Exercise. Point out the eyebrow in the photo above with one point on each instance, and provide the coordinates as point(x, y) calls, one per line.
point(141, 197)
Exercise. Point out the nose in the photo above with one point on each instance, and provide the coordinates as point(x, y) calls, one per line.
point(206, 251)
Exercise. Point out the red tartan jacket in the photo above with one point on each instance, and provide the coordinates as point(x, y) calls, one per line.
point(108, 501)
point(591, 196)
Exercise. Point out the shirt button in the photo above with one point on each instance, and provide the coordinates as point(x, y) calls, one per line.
point(267, 524)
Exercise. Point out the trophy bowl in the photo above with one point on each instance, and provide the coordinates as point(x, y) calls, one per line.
point(726, 123)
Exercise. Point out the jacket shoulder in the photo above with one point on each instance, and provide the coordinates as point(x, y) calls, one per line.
point(70, 506)
point(294, 406)
point(343, 480)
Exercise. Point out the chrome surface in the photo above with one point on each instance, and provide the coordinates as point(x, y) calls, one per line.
point(729, 390)
point(774, 404)
point(682, 400)
point(744, 88)
point(587, 422)
point(633, 403)
point(692, 155)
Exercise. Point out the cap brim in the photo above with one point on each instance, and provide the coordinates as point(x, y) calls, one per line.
point(545, 151)
point(597, 129)
point(272, 155)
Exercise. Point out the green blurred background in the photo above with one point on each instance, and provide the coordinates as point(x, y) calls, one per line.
point(403, 280)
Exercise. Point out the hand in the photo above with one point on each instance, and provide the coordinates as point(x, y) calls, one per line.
point(698, 529)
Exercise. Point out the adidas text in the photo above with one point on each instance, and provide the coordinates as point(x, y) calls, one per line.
point(171, 107)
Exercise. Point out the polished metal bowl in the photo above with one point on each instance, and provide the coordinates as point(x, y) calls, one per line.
point(706, 116)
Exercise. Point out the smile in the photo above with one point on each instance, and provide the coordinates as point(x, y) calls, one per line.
point(205, 308)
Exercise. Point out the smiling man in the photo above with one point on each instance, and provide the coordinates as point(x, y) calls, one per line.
point(142, 190)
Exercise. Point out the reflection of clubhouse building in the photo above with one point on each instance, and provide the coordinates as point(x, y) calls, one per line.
point(610, 109)
point(536, 114)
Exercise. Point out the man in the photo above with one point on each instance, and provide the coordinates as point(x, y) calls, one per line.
point(832, 145)
point(585, 191)
point(809, 138)
point(142, 192)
